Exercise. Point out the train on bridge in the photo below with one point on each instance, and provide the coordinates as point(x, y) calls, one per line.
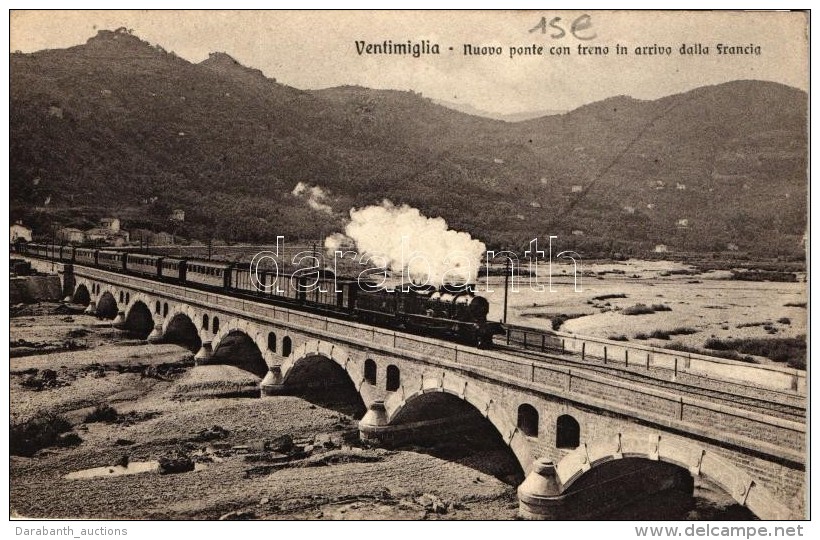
point(453, 313)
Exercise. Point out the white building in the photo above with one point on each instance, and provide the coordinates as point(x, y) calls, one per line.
point(19, 232)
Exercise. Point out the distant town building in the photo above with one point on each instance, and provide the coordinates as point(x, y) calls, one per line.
point(70, 235)
point(577, 189)
point(680, 187)
point(110, 223)
point(103, 235)
point(578, 232)
point(163, 239)
point(661, 248)
point(19, 232)
point(682, 223)
point(629, 209)
point(535, 204)
point(731, 247)
point(498, 161)
point(178, 215)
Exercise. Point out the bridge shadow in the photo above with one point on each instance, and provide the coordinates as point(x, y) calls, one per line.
point(456, 431)
point(324, 383)
point(685, 499)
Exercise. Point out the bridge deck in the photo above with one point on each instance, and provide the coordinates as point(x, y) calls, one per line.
point(649, 400)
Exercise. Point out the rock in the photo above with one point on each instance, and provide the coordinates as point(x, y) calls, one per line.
point(258, 446)
point(238, 515)
point(175, 464)
point(264, 501)
point(122, 461)
point(326, 440)
point(432, 503)
point(281, 444)
point(119, 442)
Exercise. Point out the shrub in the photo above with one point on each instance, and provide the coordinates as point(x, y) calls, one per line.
point(618, 338)
point(784, 320)
point(789, 350)
point(102, 413)
point(608, 296)
point(679, 331)
point(41, 431)
point(638, 309)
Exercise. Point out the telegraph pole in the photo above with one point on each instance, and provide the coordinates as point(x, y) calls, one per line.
point(506, 287)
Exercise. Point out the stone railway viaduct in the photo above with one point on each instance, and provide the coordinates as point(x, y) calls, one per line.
point(583, 439)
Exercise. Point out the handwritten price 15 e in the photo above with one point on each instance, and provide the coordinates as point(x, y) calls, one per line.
point(579, 28)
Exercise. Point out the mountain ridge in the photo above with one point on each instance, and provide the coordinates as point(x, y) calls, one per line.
point(122, 117)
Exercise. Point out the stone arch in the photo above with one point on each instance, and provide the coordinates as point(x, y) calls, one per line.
point(81, 295)
point(487, 407)
point(251, 330)
point(107, 307)
point(323, 381)
point(238, 348)
point(699, 461)
point(179, 327)
point(139, 319)
point(468, 408)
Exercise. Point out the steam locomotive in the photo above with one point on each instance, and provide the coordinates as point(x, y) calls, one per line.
point(452, 313)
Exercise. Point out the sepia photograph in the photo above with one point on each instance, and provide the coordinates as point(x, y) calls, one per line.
point(409, 265)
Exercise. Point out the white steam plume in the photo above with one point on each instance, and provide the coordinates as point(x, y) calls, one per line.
point(421, 248)
point(314, 196)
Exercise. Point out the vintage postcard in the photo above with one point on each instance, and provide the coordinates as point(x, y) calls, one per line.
point(383, 265)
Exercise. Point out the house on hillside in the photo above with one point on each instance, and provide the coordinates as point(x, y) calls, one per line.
point(110, 223)
point(102, 235)
point(577, 188)
point(177, 215)
point(70, 235)
point(163, 239)
point(19, 232)
point(682, 223)
point(661, 248)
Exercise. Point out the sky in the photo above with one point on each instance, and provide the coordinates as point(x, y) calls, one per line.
point(317, 49)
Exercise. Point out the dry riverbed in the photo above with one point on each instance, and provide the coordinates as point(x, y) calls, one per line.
point(124, 415)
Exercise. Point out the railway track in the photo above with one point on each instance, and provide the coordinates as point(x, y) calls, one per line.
point(764, 401)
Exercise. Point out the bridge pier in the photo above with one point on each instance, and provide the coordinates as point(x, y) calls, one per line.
point(539, 496)
point(91, 309)
point(119, 320)
point(374, 422)
point(204, 354)
point(273, 383)
point(156, 334)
